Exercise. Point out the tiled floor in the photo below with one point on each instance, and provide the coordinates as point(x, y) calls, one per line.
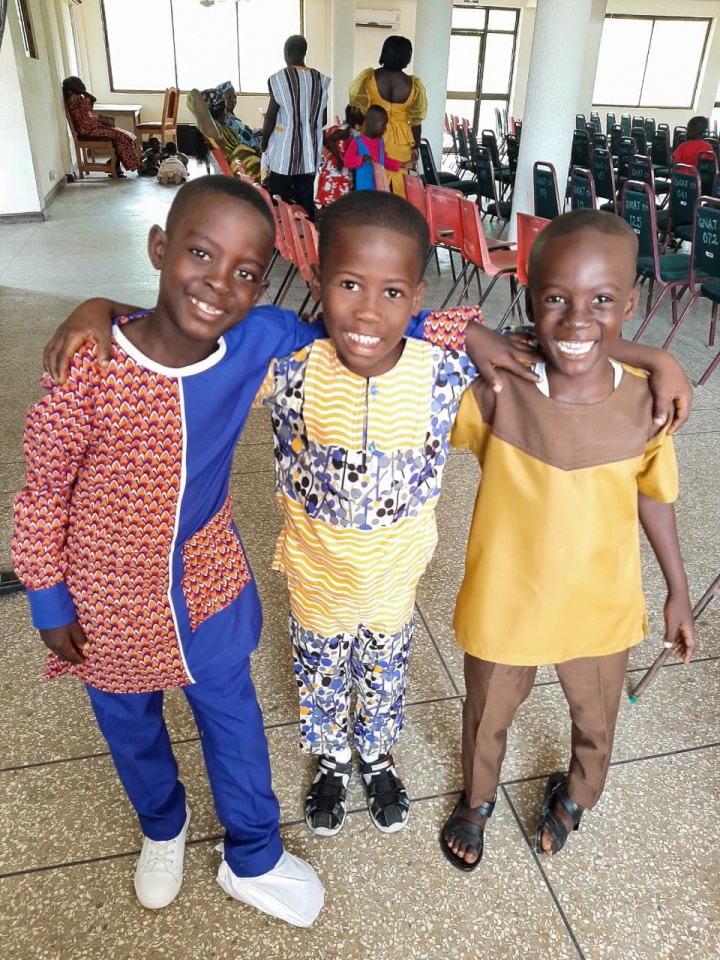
point(639, 880)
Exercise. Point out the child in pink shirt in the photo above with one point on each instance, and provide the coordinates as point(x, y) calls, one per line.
point(368, 147)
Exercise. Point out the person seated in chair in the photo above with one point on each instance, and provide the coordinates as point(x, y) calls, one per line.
point(79, 102)
point(209, 112)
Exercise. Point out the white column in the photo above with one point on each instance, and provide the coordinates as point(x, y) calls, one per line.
point(342, 33)
point(433, 20)
point(598, 9)
point(556, 66)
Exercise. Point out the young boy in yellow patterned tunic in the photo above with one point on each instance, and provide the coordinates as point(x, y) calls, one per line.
point(362, 424)
point(552, 573)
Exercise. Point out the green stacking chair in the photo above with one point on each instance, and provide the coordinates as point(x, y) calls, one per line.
point(502, 170)
point(641, 168)
point(487, 196)
point(707, 167)
point(434, 179)
point(677, 219)
point(546, 202)
point(626, 151)
point(640, 137)
point(582, 189)
point(609, 122)
point(625, 124)
point(670, 271)
point(679, 136)
point(604, 177)
point(580, 153)
point(660, 152)
point(704, 267)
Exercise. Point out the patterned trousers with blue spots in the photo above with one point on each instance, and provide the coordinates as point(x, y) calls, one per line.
point(328, 668)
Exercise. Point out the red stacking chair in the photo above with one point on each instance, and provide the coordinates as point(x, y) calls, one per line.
point(286, 212)
point(415, 193)
point(477, 257)
point(528, 227)
point(443, 216)
point(305, 244)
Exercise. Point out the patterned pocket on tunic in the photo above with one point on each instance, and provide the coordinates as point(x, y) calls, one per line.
point(215, 568)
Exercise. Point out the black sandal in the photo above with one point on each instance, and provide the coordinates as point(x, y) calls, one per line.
point(556, 792)
point(466, 831)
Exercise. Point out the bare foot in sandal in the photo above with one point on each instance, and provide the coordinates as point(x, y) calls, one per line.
point(559, 816)
point(461, 839)
point(465, 850)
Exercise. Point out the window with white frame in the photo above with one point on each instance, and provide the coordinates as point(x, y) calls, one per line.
point(186, 43)
point(650, 61)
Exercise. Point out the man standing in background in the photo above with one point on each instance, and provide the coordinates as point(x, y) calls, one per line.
point(292, 132)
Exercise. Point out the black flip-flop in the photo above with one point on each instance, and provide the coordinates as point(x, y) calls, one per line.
point(467, 832)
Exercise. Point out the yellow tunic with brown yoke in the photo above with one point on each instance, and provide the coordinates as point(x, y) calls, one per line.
point(552, 570)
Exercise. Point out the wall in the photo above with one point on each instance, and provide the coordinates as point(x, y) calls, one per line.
point(33, 114)
point(18, 189)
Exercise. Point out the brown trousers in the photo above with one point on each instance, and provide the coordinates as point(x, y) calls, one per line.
point(592, 687)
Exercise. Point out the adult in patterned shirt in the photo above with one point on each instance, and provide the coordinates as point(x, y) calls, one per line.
point(293, 128)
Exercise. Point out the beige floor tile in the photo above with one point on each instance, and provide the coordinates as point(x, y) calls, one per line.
point(389, 897)
point(639, 879)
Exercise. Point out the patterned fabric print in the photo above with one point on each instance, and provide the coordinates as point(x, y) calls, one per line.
point(446, 328)
point(375, 663)
point(369, 488)
point(104, 458)
point(215, 568)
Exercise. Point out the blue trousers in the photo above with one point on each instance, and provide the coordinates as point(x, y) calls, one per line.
point(233, 741)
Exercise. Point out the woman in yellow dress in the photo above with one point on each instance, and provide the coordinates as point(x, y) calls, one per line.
point(404, 98)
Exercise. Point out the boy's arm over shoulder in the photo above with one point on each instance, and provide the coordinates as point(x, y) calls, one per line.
point(58, 431)
point(461, 328)
point(275, 332)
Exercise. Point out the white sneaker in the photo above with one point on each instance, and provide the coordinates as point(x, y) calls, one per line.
point(159, 872)
point(291, 891)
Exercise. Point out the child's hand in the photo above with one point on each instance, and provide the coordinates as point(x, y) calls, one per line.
point(66, 642)
point(679, 627)
point(671, 392)
point(489, 350)
point(92, 320)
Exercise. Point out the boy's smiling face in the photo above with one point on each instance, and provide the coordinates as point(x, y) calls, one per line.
point(212, 265)
point(582, 290)
point(370, 283)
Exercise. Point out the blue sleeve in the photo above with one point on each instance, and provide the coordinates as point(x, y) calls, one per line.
point(51, 607)
point(416, 327)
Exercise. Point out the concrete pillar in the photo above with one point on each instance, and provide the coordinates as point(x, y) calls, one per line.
point(342, 47)
point(598, 9)
point(433, 20)
point(556, 66)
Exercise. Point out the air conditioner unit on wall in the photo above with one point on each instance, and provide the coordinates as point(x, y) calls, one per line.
point(386, 19)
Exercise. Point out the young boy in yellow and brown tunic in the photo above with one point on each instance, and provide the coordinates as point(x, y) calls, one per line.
point(552, 572)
